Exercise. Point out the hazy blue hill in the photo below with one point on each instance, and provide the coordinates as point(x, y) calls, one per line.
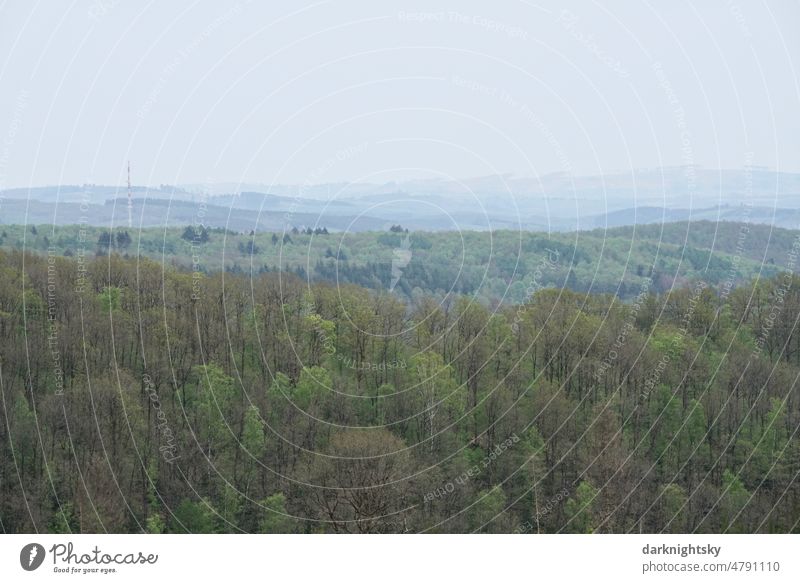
point(554, 202)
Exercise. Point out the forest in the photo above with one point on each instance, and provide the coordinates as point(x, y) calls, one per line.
point(493, 266)
point(142, 395)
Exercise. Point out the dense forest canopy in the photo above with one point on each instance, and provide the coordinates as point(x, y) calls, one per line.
point(143, 395)
point(494, 267)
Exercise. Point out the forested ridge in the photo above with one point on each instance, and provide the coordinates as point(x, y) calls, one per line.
point(495, 267)
point(144, 397)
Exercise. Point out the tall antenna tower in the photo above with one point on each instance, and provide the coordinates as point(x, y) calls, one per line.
point(130, 198)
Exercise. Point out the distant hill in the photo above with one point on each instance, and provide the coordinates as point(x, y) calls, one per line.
point(779, 217)
point(760, 243)
point(555, 202)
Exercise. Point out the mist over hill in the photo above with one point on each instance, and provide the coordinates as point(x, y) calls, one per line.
point(554, 202)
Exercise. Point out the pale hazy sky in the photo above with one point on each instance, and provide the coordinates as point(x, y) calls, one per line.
point(297, 92)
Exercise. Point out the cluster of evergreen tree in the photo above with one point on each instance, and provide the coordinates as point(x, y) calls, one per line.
point(138, 397)
point(196, 235)
point(120, 241)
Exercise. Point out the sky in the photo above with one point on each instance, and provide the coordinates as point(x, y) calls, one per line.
point(320, 92)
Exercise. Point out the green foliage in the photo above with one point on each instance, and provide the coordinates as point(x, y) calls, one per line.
point(252, 433)
point(213, 401)
point(356, 410)
point(615, 261)
point(64, 520)
point(110, 298)
point(673, 508)
point(193, 517)
point(772, 441)
point(487, 510)
point(581, 509)
point(312, 387)
point(275, 518)
point(733, 502)
point(155, 524)
point(229, 509)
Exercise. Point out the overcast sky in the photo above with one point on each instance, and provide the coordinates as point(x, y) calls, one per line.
point(297, 92)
